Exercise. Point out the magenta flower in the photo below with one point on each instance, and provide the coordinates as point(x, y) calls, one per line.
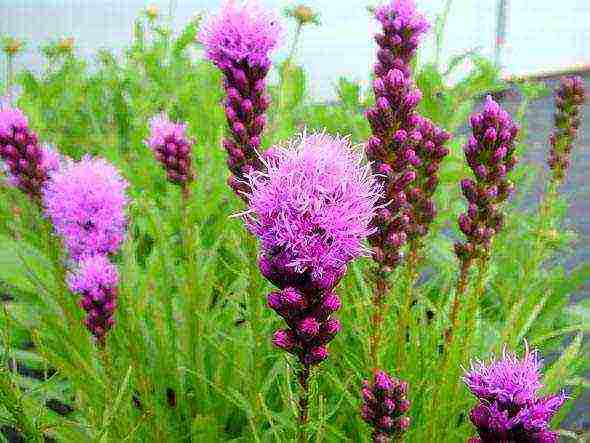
point(569, 99)
point(510, 408)
point(402, 29)
point(172, 148)
point(384, 406)
point(95, 280)
point(239, 41)
point(490, 154)
point(26, 163)
point(314, 204)
point(86, 202)
point(245, 34)
point(311, 211)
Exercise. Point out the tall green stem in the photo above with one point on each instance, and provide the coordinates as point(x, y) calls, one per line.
point(304, 373)
point(411, 274)
point(10, 76)
point(458, 301)
point(379, 294)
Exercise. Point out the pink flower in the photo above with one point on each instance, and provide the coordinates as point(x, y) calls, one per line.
point(86, 202)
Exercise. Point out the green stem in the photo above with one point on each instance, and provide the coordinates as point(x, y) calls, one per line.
point(10, 77)
point(411, 274)
point(379, 294)
point(458, 301)
point(304, 373)
point(535, 259)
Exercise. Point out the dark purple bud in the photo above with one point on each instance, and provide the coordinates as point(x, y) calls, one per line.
point(383, 104)
point(308, 328)
point(490, 136)
point(316, 355)
point(403, 423)
point(284, 339)
point(403, 406)
point(383, 381)
point(465, 224)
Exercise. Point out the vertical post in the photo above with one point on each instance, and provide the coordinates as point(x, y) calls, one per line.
point(501, 21)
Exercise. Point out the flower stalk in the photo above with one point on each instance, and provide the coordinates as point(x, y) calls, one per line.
point(311, 211)
point(392, 146)
point(490, 155)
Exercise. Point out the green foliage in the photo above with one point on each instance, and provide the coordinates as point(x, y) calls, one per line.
point(190, 357)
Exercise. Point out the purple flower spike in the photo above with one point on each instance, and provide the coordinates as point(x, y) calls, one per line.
point(403, 27)
point(239, 41)
point(490, 154)
point(384, 406)
point(86, 202)
point(395, 125)
point(569, 99)
point(510, 408)
point(311, 211)
point(26, 163)
point(172, 148)
point(430, 152)
point(95, 280)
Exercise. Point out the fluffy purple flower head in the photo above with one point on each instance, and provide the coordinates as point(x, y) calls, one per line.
point(510, 408)
point(172, 148)
point(95, 280)
point(314, 205)
point(86, 202)
point(239, 34)
point(507, 380)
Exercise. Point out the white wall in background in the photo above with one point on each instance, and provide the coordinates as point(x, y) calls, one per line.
point(541, 34)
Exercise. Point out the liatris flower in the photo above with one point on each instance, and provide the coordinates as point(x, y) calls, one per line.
point(510, 408)
point(394, 125)
point(402, 28)
point(95, 280)
point(311, 210)
point(431, 152)
point(490, 154)
point(172, 148)
point(239, 42)
point(26, 163)
point(569, 98)
point(384, 406)
point(86, 203)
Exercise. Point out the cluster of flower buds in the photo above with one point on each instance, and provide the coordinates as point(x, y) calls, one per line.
point(402, 28)
point(510, 409)
point(392, 151)
point(394, 123)
point(26, 162)
point(384, 406)
point(239, 41)
point(569, 98)
point(311, 326)
point(172, 148)
point(490, 154)
point(311, 210)
point(431, 151)
point(95, 281)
